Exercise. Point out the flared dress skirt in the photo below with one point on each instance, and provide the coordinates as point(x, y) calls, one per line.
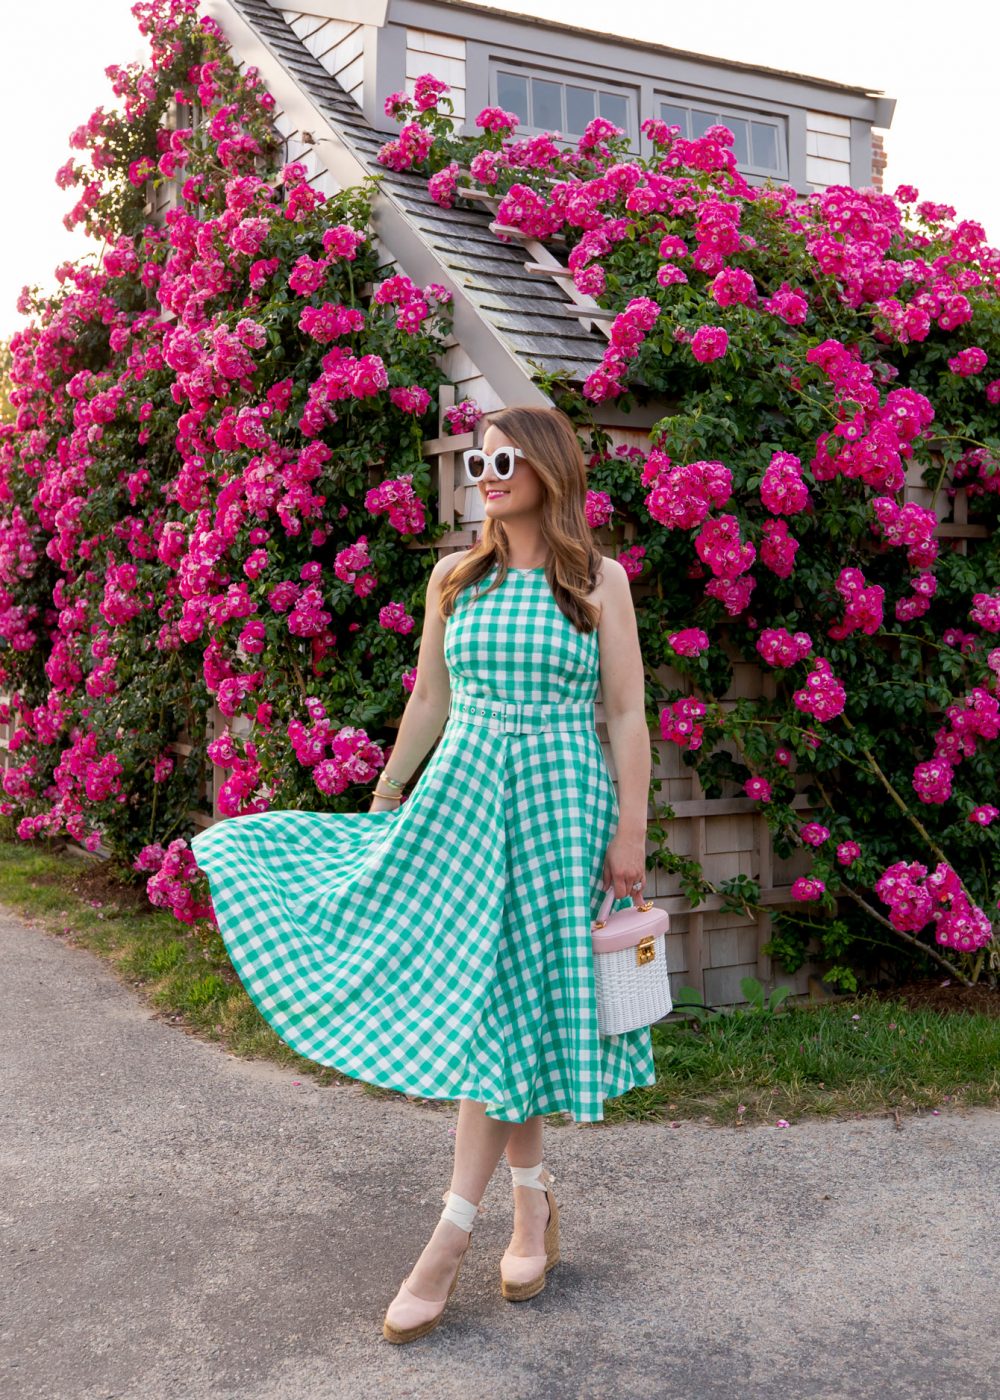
point(442, 948)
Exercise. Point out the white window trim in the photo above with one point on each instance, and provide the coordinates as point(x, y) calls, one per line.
point(565, 77)
point(776, 118)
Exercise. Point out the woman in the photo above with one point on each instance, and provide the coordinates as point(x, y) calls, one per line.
point(442, 947)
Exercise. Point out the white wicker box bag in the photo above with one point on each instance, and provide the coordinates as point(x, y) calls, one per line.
point(630, 966)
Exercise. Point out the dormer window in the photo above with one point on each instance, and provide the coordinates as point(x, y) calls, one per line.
point(546, 101)
point(760, 142)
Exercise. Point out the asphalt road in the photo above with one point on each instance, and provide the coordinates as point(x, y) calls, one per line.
point(180, 1223)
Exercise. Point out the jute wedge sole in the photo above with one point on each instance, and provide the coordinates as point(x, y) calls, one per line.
point(461, 1213)
point(410, 1334)
point(516, 1289)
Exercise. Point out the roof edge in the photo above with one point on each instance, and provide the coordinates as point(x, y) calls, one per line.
point(495, 359)
point(371, 12)
point(396, 11)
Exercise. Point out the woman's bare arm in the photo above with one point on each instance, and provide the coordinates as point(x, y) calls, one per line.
point(427, 708)
point(623, 693)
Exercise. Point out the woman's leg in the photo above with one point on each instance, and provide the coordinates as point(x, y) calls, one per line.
point(531, 1208)
point(479, 1144)
point(524, 1146)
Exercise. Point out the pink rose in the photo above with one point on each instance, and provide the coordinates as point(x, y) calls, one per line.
point(709, 343)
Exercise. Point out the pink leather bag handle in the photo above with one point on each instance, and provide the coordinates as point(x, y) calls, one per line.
point(605, 909)
point(627, 927)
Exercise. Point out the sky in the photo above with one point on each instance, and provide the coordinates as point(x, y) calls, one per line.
point(937, 61)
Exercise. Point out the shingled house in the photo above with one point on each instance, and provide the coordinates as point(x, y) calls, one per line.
point(331, 64)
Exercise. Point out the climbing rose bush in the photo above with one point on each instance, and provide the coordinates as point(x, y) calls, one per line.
point(216, 452)
point(832, 361)
point(211, 481)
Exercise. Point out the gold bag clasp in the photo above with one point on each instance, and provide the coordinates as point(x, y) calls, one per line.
point(643, 908)
point(645, 950)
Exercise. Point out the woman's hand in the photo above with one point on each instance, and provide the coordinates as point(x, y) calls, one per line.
point(625, 864)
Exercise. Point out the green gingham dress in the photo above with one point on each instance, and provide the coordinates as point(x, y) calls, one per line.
point(442, 948)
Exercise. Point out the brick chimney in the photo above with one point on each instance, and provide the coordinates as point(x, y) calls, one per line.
point(878, 160)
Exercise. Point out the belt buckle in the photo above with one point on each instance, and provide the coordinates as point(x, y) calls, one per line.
point(512, 717)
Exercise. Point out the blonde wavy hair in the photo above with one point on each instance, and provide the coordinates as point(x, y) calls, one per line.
point(549, 441)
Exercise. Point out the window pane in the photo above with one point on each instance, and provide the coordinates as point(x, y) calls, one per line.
point(765, 145)
point(741, 138)
point(701, 121)
point(614, 106)
point(546, 104)
point(675, 116)
point(579, 109)
point(512, 94)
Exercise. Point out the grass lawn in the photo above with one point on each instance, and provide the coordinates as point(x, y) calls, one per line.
point(875, 1054)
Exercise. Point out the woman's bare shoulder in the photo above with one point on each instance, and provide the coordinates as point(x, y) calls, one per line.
point(447, 562)
point(611, 579)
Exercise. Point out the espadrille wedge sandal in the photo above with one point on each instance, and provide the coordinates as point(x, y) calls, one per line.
point(410, 1316)
point(523, 1275)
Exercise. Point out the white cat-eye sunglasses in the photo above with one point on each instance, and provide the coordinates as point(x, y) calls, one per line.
point(502, 462)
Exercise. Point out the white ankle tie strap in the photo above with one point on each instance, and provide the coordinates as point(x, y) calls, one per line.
point(459, 1211)
point(528, 1176)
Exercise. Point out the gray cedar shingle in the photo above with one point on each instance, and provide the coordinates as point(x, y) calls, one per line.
point(529, 312)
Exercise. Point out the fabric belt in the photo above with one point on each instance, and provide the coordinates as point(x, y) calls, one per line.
point(522, 716)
